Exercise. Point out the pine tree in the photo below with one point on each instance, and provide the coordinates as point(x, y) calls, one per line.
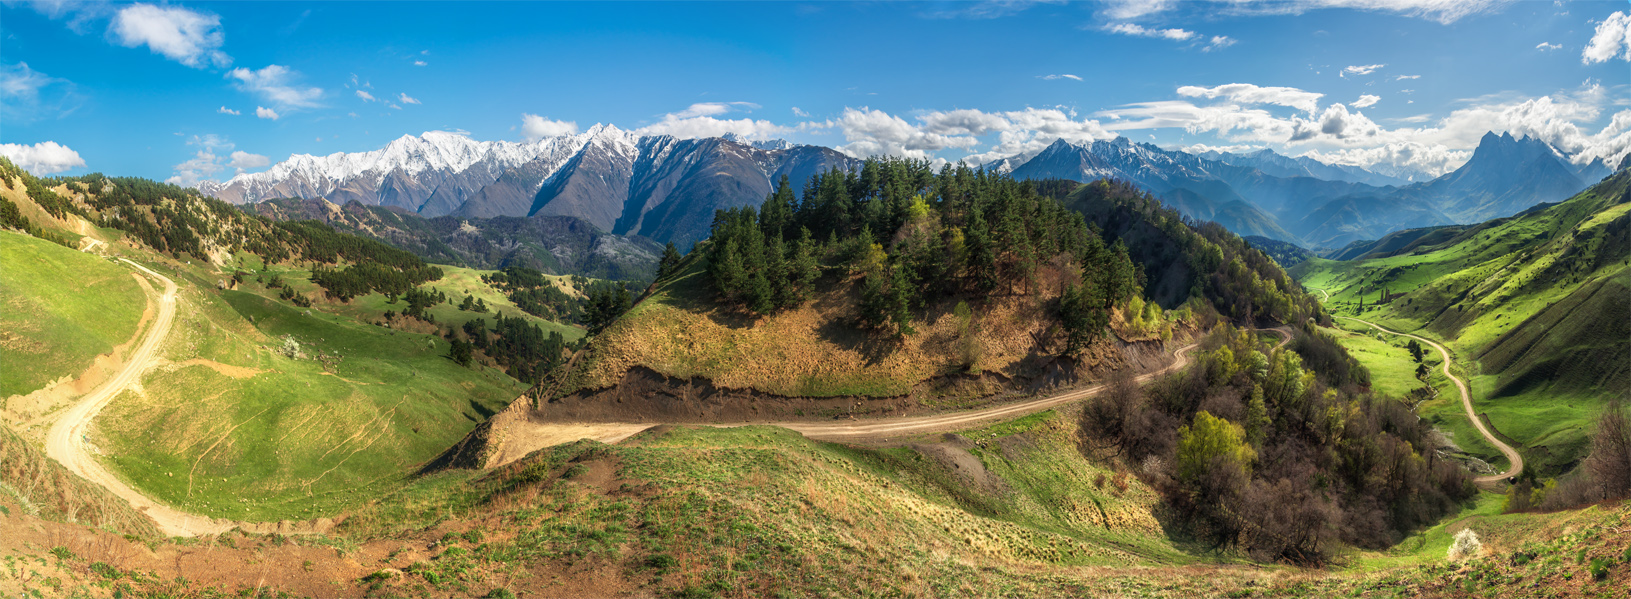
point(669, 262)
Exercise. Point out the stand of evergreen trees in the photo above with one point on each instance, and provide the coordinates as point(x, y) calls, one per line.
point(1241, 281)
point(518, 346)
point(913, 237)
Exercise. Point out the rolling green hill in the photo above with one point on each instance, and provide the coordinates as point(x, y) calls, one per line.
point(1535, 304)
point(62, 309)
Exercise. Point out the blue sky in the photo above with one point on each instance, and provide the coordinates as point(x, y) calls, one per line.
point(184, 91)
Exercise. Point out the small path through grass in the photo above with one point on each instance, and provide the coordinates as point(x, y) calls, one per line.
point(1512, 455)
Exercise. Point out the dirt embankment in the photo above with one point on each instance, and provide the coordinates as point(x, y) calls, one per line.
point(646, 398)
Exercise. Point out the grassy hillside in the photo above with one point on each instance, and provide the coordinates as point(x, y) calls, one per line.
point(682, 330)
point(1013, 509)
point(1533, 306)
point(62, 309)
point(35, 485)
point(274, 412)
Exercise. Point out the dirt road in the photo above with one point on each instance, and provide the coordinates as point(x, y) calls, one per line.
point(1512, 455)
point(66, 441)
point(870, 430)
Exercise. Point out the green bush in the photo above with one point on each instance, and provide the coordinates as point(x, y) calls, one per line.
point(1599, 568)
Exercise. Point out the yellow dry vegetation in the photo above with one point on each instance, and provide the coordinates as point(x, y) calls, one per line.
point(813, 350)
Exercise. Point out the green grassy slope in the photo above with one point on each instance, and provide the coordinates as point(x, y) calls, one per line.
point(259, 429)
point(61, 309)
point(762, 511)
point(1532, 305)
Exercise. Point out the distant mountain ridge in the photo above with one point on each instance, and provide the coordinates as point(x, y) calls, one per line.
point(619, 181)
point(667, 188)
point(1319, 205)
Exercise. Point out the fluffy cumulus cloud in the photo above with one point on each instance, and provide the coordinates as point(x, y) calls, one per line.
point(275, 84)
point(185, 36)
point(535, 127)
point(1366, 101)
point(215, 155)
point(1247, 93)
point(266, 113)
point(407, 99)
point(225, 110)
point(1612, 40)
point(366, 97)
point(241, 161)
point(44, 158)
point(1006, 134)
point(1341, 134)
point(700, 120)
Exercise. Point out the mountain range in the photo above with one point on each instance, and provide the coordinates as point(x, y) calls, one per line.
point(667, 189)
point(660, 187)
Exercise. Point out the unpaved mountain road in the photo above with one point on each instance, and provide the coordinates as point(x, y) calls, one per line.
point(849, 431)
point(1511, 454)
point(67, 439)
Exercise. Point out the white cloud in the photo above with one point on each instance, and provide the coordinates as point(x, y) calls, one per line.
point(1613, 34)
point(1134, 29)
point(1543, 46)
point(1019, 132)
point(1247, 93)
point(406, 99)
point(800, 113)
point(190, 38)
point(203, 165)
point(266, 113)
point(1058, 77)
point(225, 110)
point(419, 63)
point(1219, 42)
point(707, 126)
point(274, 84)
point(535, 127)
point(27, 95)
point(1360, 70)
point(242, 161)
point(1442, 11)
point(713, 109)
point(1338, 134)
point(1404, 77)
point(1366, 101)
point(366, 97)
point(44, 158)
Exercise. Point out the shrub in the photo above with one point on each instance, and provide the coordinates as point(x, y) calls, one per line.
point(1466, 545)
point(1599, 568)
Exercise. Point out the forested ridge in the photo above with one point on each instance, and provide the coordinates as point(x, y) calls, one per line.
point(910, 237)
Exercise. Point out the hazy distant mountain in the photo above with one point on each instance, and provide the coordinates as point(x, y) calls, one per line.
point(1242, 198)
point(1275, 164)
point(553, 244)
point(616, 180)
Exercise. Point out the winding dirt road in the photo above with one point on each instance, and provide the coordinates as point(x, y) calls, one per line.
point(540, 435)
point(1512, 455)
point(66, 441)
